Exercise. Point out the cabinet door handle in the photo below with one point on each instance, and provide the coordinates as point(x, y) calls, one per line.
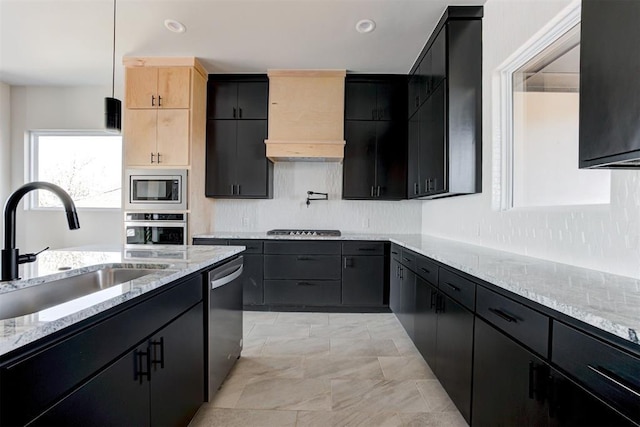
point(159, 101)
point(394, 252)
point(304, 258)
point(233, 189)
point(154, 346)
point(234, 112)
point(378, 191)
point(425, 270)
point(406, 259)
point(158, 158)
point(371, 191)
point(239, 190)
point(433, 300)
point(348, 262)
point(454, 287)
point(305, 284)
point(143, 358)
point(503, 315)
point(616, 379)
point(416, 189)
point(439, 304)
point(152, 156)
point(153, 101)
point(240, 112)
point(367, 249)
point(401, 273)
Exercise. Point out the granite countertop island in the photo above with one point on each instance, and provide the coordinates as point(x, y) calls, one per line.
point(606, 301)
point(170, 262)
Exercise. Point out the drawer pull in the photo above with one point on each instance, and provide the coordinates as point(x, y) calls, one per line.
point(433, 300)
point(367, 249)
point(305, 258)
point(425, 270)
point(406, 259)
point(305, 284)
point(394, 252)
point(610, 376)
point(503, 315)
point(454, 287)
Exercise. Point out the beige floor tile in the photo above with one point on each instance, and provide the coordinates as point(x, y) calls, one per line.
point(267, 317)
point(271, 367)
point(359, 318)
point(434, 419)
point(387, 330)
point(405, 368)
point(340, 331)
point(342, 367)
point(252, 346)
point(434, 395)
point(376, 396)
point(348, 419)
point(286, 394)
point(230, 390)
point(406, 347)
point(209, 417)
point(303, 318)
point(296, 347)
point(246, 328)
point(279, 330)
point(361, 348)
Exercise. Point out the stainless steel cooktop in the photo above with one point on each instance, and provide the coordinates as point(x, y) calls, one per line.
point(294, 232)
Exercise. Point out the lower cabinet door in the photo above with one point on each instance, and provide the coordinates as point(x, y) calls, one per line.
point(408, 301)
point(363, 280)
point(252, 276)
point(118, 396)
point(454, 352)
point(509, 382)
point(177, 370)
point(314, 293)
point(395, 287)
point(426, 321)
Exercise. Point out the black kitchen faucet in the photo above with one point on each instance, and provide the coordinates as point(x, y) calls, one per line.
point(10, 257)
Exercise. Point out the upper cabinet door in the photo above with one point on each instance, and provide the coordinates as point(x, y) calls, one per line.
point(391, 160)
point(252, 164)
point(438, 60)
point(172, 140)
point(221, 158)
point(359, 160)
point(141, 87)
point(391, 100)
point(609, 84)
point(174, 87)
point(360, 101)
point(223, 100)
point(253, 100)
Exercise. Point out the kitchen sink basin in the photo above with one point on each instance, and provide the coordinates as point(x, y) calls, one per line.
point(36, 298)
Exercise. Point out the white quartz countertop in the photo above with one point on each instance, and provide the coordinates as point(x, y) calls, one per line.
point(605, 301)
point(172, 262)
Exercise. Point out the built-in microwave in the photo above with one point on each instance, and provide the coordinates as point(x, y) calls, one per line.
point(142, 228)
point(156, 189)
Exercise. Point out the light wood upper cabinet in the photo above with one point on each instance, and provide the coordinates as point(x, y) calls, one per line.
point(157, 137)
point(158, 87)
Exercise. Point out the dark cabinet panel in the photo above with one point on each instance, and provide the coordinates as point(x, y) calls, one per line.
point(363, 280)
point(300, 247)
point(458, 288)
point(433, 143)
point(231, 100)
point(177, 369)
point(408, 301)
point(438, 61)
point(221, 157)
point(302, 292)
point(395, 287)
point(252, 278)
point(360, 100)
point(509, 382)
point(454, 352)
point(253, 100)
point(222, 99)
point(391, 156)
point(414, 188)
point(363, 248)
point(253, 171)
point(609, 87)
point(359, 164)
point(323, 267)
point(426, 321)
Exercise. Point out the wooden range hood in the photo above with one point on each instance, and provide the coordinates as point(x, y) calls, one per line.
point(306, 115)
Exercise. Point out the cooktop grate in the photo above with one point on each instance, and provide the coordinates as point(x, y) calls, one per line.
point(302, 232)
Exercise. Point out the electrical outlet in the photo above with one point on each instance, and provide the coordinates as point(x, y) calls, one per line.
point(245, 222)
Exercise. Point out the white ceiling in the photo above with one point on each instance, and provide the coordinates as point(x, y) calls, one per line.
point(69, 42)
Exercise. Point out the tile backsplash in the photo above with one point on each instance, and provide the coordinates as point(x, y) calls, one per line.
point(288, 209)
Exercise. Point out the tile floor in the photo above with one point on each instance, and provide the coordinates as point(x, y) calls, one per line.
point(328, 369)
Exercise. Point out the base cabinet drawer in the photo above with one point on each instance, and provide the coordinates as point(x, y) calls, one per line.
point(302, 292)
point(294, 267)
point(609, 373)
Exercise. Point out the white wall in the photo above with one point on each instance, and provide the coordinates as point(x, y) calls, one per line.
point(602, 238)
point(287, 209)
point(35, 108)
point(5, 141)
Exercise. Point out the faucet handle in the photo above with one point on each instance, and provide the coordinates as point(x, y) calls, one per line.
point(25, 258)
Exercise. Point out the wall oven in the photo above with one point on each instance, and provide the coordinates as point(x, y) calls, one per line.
point(142, 228)
point(156, 189)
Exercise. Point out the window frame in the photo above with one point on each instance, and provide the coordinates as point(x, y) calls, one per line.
point(503, 141)
point(32, 162)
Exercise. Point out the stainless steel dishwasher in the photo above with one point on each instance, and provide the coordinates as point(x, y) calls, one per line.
point(223, 321)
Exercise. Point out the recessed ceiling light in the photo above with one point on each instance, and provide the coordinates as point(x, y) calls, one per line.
point(365, 26)
point(174, 26)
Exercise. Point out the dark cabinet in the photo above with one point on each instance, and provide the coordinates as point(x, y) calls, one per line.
point(363, 274)
point(426, 320)
point(236, 162)
point(609, 86)
point(454, 337)
point(237, 99)
point(445, 115)
point(375, 98)
point(375, 158)
point(402, 298)
point(160, 382)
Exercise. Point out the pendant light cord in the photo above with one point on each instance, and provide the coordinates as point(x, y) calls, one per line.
point(113, 57)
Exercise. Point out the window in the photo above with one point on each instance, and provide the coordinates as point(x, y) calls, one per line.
point(540, 142)
point(88, 165)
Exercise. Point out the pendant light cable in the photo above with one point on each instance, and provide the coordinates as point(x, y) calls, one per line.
point(113, 57)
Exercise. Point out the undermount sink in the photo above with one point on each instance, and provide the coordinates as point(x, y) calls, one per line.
point(36, 298)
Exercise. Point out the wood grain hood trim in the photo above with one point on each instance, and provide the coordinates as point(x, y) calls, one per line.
point(306, 115)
